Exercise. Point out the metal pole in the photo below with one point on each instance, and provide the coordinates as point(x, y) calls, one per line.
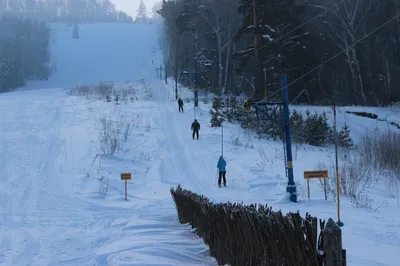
point(196, 92)
point(222, 138)
point(176, 79)
point(291, 186)
point(255, 26)
point(337, 165)
point(265, 84)
point(165, 74)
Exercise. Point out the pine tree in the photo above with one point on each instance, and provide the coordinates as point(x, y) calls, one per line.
point(345, 140)
point(142, 13)
point(316, 128)
point(215, 112)
point(297, 127)
point(75, 31)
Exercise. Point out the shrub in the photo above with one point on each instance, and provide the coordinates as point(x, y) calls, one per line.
point(113, 135)
point(105, 92)
point(356, 178)
point(312, 129)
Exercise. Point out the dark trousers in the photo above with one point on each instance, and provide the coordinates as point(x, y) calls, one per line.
point(222, 176)
point(196, 132)
point(180, 108)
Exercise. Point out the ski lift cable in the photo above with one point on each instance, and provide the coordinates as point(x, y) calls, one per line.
point(341, 52)
point(291, 31)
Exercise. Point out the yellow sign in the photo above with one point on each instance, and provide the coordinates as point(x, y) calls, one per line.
point(126, 176)
point(195, 89)
point(316, 174)
point(289, 164)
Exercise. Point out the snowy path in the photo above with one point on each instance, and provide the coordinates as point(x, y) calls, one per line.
point(45, 222)
point(40, 210)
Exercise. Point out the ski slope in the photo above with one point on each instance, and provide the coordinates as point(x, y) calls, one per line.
point(51, 205)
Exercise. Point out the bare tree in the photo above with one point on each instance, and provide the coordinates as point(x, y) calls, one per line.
point(346, 21)
point(219, 15)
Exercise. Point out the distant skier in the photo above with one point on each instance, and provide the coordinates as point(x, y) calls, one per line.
point(180, 104)
point(222, 170)
point(195, 128)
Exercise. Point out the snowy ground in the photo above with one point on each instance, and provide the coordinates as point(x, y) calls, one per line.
point(52, 209)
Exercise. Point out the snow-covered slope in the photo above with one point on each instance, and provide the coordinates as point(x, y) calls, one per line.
point(62, 200)
point(104, 52)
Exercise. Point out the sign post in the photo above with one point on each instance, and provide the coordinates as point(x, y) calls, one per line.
point(125, 177)
point(316, 174)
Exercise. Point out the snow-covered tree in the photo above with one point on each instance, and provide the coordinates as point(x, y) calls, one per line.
point(142, 13)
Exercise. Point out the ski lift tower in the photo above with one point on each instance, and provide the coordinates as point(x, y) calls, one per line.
point(268, 110)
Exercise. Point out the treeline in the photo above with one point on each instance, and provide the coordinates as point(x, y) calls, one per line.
point(84, 11)
point(24, 52)
point(346, 51)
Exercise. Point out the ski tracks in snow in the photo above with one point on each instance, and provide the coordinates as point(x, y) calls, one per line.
point(179, 165)
point(36, 229)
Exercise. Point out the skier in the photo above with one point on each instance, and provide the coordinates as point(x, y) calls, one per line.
point(180, 104)
point(195, 128)
point(222, 170)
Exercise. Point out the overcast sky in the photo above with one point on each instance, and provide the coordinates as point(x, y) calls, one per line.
point(130, 6)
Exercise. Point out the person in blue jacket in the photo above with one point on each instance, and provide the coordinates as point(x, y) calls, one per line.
point(222, 170)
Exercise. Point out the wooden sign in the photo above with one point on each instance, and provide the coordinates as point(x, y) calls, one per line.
point(316, 174)
point(126, 176)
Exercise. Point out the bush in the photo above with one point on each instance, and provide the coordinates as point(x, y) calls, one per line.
point(377, 156)
point(113, 135)
point(382, 150)
point(312, 129)
point(355, 177)
point(106, 92)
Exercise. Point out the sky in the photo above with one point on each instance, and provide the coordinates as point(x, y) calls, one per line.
point(130, 6)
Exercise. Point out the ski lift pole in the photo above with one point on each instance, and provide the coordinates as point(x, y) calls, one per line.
point(339, 222)
point(291, 186)
point(196, 91)
point(222, 137)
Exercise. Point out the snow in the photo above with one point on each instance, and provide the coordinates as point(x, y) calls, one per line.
point(52, 211)
point(266, 36)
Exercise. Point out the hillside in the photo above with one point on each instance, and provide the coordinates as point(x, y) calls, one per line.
point(62, 200)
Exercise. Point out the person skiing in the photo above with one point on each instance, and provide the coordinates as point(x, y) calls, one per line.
point(222, 170)
point(195, 128)
point(180, 104)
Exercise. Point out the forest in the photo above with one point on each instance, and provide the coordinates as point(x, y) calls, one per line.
point(25, 34)
point(84, 11)
point(341, 51)
point(24, 53)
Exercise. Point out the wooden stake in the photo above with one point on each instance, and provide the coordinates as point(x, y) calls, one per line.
point(126, 190)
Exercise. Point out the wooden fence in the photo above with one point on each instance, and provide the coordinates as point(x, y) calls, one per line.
point(247, 235)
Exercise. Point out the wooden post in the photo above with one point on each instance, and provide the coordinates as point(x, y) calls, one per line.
point(126, 190)
point(326, 194)
point(332, 244)
point(344, 257)
point(308, 187)
point(125, 177)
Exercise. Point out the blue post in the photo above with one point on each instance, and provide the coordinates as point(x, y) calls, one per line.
point(291, 186)
point(196, 92)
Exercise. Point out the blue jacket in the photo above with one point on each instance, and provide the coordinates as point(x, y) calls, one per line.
point(221, 164)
